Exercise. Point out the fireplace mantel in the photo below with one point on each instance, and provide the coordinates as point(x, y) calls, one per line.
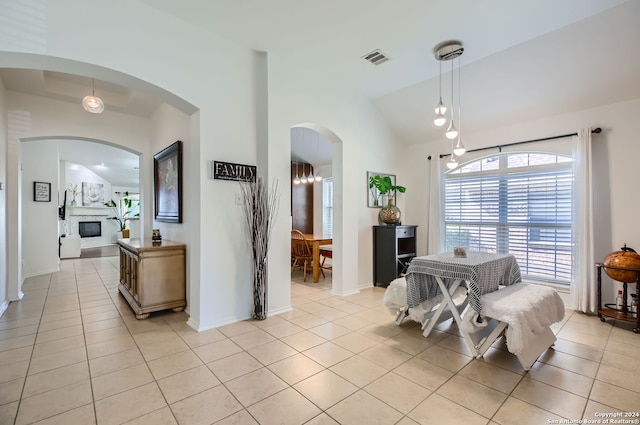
point(99, 211)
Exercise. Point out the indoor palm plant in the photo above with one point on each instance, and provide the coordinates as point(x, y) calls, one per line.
point(122, 213)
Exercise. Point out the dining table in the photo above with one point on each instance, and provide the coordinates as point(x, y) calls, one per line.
point(317, 240)
point(481, 273)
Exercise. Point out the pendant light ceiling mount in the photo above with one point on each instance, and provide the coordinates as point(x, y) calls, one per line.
point(448, 50)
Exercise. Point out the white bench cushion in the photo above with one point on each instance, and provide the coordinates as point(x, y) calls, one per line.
point(527, 309)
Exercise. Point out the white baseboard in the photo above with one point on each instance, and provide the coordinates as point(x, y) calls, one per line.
point(279, 311)
point(346, 293)
point(3, 307)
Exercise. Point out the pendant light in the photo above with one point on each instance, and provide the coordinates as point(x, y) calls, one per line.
point(460, 149)
point(310, 178)
point(452, 159)
point(452, 131)
point(303, 179)
point(297, 179)
point(92, 103)
point(440, 119)
point(452, 162)
point(448, 51)
point(318, 177)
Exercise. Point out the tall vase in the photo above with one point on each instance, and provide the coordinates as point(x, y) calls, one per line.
point(260, 290)
point(389, 214)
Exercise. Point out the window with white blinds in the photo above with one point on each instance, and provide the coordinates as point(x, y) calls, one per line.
point(327, 206)
point(518, 203)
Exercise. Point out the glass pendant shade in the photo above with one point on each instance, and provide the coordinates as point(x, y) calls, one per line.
point(452, 163)
point(441, 109)
point(440, 119)
point(460, 149)
point(318, 177)
point(297, 179)
point(303, 179)
point(93, 104)
point(452, 131)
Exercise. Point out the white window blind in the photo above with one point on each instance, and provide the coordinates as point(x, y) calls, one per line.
point(327, 206)
point(518, 203)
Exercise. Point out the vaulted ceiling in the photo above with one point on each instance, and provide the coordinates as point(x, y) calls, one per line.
point(522, 60)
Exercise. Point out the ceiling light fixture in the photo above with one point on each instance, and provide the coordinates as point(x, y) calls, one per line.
point(92, 103)
point(303, 179)
point(440, 119)
point(318, 177)
point(452, 158)
point(448, 51)
point(460, 149)
point(297, 179)
point(452, 162)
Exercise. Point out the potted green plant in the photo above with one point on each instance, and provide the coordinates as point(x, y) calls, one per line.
point(122, 214)
point(389, 214)
point(385, 186)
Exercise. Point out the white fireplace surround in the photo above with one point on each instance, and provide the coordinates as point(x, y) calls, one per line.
point(109, 227)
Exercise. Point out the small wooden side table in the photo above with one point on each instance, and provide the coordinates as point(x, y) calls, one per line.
point(624, 313)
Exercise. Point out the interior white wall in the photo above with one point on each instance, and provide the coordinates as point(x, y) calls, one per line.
point(615, 153)
point(40, 219)
point(364, 143)
point(324, 171)
point(34, 118)
point(223, 87)
point(167, 126)
point(4, 296)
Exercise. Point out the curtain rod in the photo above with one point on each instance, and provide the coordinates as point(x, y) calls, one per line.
point(596, 130)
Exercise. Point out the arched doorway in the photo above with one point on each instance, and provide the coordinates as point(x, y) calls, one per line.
point(33, 122)
point(325, 135)
point(82, 175)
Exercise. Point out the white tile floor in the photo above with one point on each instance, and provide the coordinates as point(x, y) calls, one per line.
point(71, 352)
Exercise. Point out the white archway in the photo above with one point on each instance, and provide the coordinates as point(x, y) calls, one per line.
point(337, 286)
point(20, 129)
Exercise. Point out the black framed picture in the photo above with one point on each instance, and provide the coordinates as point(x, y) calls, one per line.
point(167, 173)
point(41, 192)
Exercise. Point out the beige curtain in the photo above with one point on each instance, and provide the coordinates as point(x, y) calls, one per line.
point(583, 287)
point(435, 228)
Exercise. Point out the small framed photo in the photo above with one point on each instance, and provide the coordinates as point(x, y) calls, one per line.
point(167, 170)
point(41, 192)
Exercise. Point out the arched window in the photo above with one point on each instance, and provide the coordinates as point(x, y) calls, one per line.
point(518, 203)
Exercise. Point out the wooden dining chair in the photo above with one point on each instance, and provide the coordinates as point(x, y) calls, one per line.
point(301, 254)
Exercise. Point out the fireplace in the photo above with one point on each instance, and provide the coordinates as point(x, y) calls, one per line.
point(90, 229)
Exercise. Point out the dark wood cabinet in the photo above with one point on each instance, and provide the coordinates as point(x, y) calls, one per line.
point(393, 249)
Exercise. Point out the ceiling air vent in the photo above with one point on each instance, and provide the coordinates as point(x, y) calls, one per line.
point(376, 57)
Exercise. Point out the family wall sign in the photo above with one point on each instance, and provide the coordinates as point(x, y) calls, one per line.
point(234, 172)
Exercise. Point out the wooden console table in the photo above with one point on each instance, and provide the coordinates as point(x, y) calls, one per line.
point(624, 313)
point(152, 275)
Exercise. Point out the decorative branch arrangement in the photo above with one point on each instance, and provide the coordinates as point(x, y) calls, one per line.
point(260, 207)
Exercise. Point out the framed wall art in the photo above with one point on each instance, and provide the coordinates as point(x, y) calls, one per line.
point(374, 198)
point(167, 173)
point(41, 192)
point(92, 194)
